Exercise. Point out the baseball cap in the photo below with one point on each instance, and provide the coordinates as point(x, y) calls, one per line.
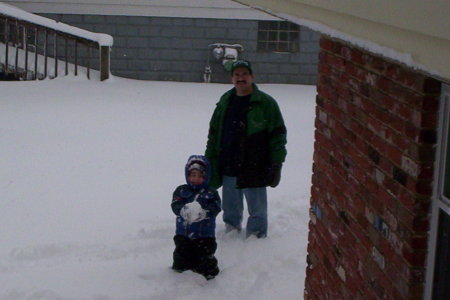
point(241, 63)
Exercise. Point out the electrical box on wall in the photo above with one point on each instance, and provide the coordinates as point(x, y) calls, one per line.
point(224, 53)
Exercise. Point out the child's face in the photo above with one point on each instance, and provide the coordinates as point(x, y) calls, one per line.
point(195, 177)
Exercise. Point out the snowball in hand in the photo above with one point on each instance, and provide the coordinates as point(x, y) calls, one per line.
point(193, 212)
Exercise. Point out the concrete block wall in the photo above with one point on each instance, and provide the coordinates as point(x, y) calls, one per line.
point(374, 154)
point(176, 49)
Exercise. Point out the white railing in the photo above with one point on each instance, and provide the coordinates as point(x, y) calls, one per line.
point(34, 47)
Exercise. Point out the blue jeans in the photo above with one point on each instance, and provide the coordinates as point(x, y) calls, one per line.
point(233, 207)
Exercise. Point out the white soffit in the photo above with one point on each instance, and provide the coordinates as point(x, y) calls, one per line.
point(414, 32)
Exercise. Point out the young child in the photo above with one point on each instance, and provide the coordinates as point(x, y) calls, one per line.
point(196, 206)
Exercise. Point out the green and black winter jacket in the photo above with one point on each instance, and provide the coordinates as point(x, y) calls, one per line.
point(263, 144)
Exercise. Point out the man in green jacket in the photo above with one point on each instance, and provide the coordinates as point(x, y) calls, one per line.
point(246, 149)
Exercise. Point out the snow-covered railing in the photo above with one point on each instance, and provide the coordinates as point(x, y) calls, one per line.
point(34, 47)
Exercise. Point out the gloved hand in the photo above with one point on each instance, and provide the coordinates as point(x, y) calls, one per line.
point(275, 174)
point(193, 212)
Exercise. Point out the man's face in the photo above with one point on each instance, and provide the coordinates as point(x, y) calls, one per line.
point(242, 81)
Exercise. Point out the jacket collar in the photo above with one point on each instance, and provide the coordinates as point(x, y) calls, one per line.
point(254, 96)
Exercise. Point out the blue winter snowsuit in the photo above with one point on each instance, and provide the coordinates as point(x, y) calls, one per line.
point(195, 243)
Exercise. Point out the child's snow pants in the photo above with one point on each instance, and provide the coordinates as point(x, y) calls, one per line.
point(196, 255)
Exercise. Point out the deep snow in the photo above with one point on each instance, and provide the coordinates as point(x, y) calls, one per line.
point(87, 173)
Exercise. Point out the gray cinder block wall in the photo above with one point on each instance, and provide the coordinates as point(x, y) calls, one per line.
point(176, 49)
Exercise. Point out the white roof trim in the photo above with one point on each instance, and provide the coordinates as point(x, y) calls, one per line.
point(211, 9)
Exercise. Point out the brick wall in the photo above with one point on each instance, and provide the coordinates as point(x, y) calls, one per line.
point(372, 177)
point(176, 49)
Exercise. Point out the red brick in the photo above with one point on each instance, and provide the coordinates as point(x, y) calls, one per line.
point(412, 132)
point(353, 84)
point(414, 257)
point(398, 125)
point(324, 69)
point(386, 101)
point(383, 116)
point(429, 120)
point(351, 70)
point(325, 90)
point(409, 79)
point(375, 125)
point(420, 242)
point(371, 185)
point(367, 103)
point(404, 111)
point(396, 139)
point(422, 206)
point(330, 45)
point(399, 265)
point(385, 85)
point(323, 58)
point(357, 56)
point(416, 292)
point(386, 199)
point(406, 199)
point(344, 79)
point(429, 103)
point(336, 62)
point(377, 64)
point(404, 95)
point(346, 53)
point(431, 86)
point(376, 142)
point(428, 136)
point(396, 243)
point(394, 154)
point(421, 224)
point(423, 187)
point(426, 172)
point(393, 71)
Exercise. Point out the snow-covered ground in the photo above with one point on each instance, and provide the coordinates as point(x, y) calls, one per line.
point(87, 170)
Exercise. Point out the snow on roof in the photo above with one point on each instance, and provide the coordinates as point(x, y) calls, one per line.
point(14, 12)
point(209, 9)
